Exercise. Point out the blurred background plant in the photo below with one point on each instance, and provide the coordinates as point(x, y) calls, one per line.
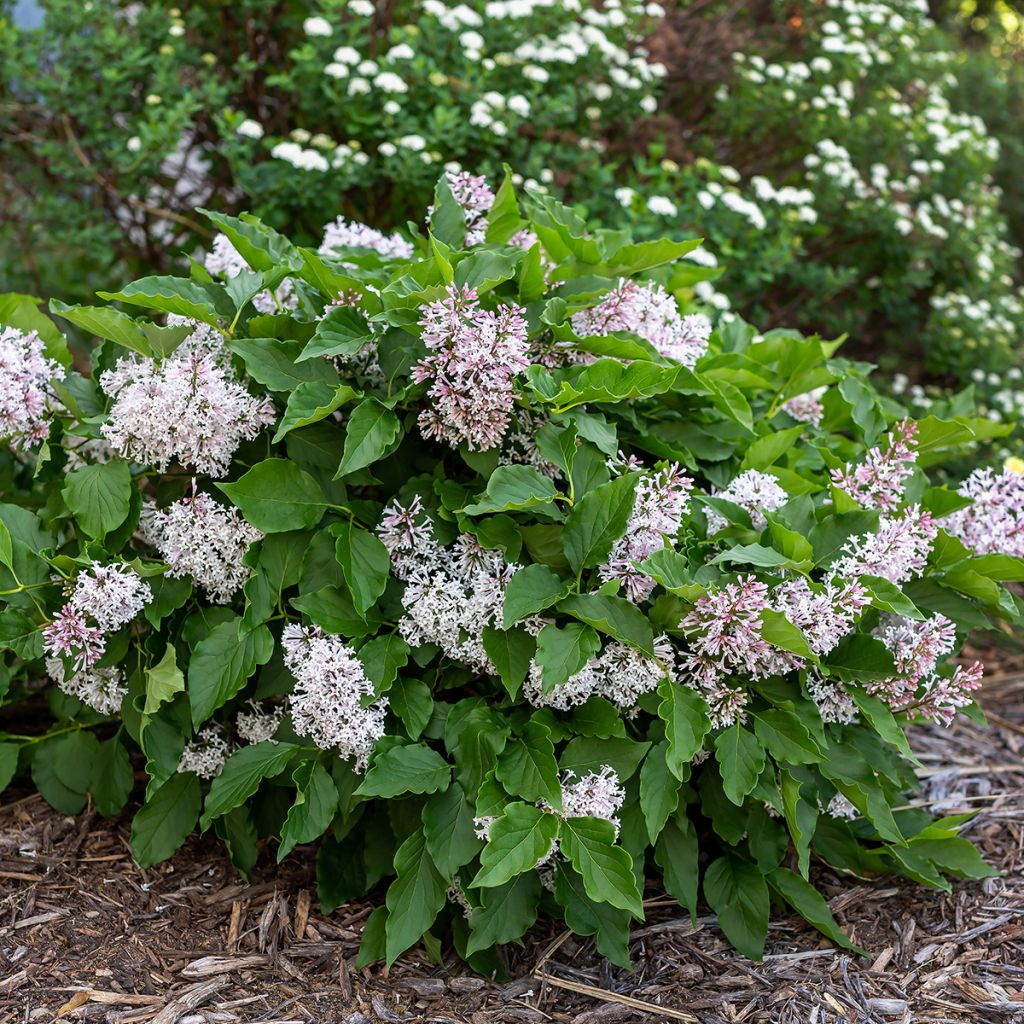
point(853, 166)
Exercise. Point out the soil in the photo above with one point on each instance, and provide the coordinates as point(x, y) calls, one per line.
point(87, 935)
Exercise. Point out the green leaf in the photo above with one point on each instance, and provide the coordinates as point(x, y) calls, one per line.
point(527, 767)
point(449, 830)
point(371, 432)
point(785, 737)
point(531, 590)
point(801, 818)
point(365, 562)
point(242, 774)
point(198, 300)
point(860, 657)
point(884, 723)
point(272, 363)
point(406, 769)
point(21, 634)
point(685, 714)
point(99, 496)
point(112, 778)
point(105, 322)
point(276, 496)
point(606, 869)
point(659, 791)
point(415, 897)
point(610, 380)
point(563, 650)
point(312, 401)
point(767, 450)
point(889, 597)
point(166, 819)
point(6, 547)
point(382, 658)
point(163, 681)
point(505, 912)
point(678, 855)
point(737, 893)
point(758, 554)
point(585, 754)
point(614, 616)
point(62, 768)
point(447, 219)
point(512, 652)
point(513, 488)
point(781, 633)
point(221, 664)
point(741, 759)
point(343, 331)
point(8, 763)
point(411, 700)
point(517, 841)
point(584, 916)
point(316, 800)
point(808, 903)
point(597, 521)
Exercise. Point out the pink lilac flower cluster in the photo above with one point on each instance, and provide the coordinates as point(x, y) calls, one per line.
point(225, 261)
point(331, 688)
point(662, 500)
point(27, 377)
point(620, 674)
point(651, 313)
point(452, 594)
point(825, 614)
point(754, 491)
point(474, 195)
point(102, 689)
point(474, 355)
point(897, 552)
point(199, 538)
point(346, 234)
point(111, 596)
point(806, 408)
point(880, 480)
point(994, 523)
point(189, 408)
point(207, 754)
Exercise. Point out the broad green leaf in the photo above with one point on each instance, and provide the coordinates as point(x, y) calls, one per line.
point(8, 763)
point(505, 912)
point(531, 590)
point(112, 778)
point(511, 651)
point(382, 658)
point(312, 401)
point(105, 322)
point(165, 820)
point(163, 681)
point(513, 488)
point(449, 830)
point(741, 759)
point(62, 768)
point(781, 633)
point(785, 736)
point(801, 818)
point(527, 767)
point(343, 331)
point(371, 432)
point(198, 300)
point(809, 904)
point(99, 496)
point(518, 839)
point(737, 893)
point(563, 650)
point(860, 657)
point(406, 769)
point(606, 869)
point(685, 714)
point(316, 800)
point(221, 664)
point(659, 791)
point(597, 521)
point(365, 562)
point(411, 700)
point(276, 496)
point(585, 755)
point(588, 917)
point(614, 616)
point(242, 774)
point(415, 897)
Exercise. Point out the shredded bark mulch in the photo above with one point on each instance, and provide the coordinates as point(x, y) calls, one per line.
point(87, 935)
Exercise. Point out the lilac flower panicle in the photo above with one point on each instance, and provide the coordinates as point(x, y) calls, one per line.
point(327, 703)
point(994, 523)
point(943, 696)
point(344, 234)
point(27, 398)
point(474, 195)
point(112, 594)
point(661, 501)
point(256, 723)
point(806, 408)
point(754, 491)
point(840, 807)
point(207, 754)
point(474, 355)
point(188, 408)
point(897, 552)
point(199, 538)
point(651, 313)
point(824, 615)
point(102, 689)
point(880, 480)
point(69, 635)
point(594, 795)
point(225, 261)
point(834, 704)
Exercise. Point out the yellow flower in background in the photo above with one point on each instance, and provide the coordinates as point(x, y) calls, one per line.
point(1014, 464)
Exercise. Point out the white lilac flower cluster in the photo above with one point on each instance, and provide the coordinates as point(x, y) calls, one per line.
point(188, 408)
point(201, 539)
point(661, 500)
point(225, 261)
point(346, 234)
point(806, 408)
point(993, 524)
point(104, 598)
point(452, 594)
point(327, 704)
point(100, 688)
point(474, 355)
point(651, 313)
point(27, 376)
point(256, 723)
point(206, 753)
point(896, 552)
point(755, 492)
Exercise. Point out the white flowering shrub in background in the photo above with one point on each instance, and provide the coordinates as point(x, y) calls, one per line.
point(509, 580)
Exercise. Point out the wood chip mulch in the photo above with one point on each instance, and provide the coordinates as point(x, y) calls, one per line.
point(86, 935)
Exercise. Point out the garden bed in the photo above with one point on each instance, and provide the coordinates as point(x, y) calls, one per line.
point(86, 935)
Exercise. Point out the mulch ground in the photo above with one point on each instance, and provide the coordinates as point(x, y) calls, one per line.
point(86, 935)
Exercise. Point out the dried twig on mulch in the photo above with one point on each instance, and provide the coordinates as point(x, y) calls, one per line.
point(86, 935)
